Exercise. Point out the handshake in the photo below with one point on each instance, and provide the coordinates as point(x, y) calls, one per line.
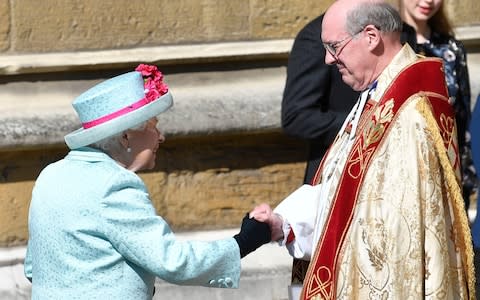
point(259, 227)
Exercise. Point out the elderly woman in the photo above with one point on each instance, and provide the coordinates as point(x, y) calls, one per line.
point(93, 230)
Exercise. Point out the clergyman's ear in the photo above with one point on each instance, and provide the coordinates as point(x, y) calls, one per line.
point(372, 33)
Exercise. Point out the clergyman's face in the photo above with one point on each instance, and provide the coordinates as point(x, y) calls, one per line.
point(349, 53)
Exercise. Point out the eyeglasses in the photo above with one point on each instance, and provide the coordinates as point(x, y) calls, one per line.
point(335, 48)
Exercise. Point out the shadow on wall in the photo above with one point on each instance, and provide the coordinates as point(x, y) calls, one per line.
point(236, 152)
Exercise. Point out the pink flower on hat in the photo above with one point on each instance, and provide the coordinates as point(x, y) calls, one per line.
point(149, 71)
point(153, 81)
point(151, 92)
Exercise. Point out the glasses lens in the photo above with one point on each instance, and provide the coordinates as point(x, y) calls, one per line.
point(330, 48)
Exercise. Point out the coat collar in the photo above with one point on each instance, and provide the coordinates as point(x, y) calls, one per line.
point(88, 154)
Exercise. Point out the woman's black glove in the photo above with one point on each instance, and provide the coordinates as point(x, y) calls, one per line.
point(252, 235)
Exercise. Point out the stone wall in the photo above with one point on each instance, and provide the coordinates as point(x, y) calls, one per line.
point(198, 184)
point(53, 26)
point(30, 26)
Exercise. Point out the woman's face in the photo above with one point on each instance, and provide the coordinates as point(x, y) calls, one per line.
point(417, 11)
point(144, 145)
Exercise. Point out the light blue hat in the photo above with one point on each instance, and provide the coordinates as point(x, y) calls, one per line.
point(113, 106)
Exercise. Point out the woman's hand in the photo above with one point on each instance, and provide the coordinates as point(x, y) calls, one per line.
point(264, 213)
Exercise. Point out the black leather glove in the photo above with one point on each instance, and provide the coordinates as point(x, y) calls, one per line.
point(252, 235)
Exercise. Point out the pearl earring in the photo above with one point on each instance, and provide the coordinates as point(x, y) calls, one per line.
point(129, 149)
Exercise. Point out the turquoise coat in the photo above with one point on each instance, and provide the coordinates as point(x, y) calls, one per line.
point(94, 234)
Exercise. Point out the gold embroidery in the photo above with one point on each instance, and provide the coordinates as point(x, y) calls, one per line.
point(427, 263)
point(374, 235)
point(318, 289)
point(447, 125)
point(385, 112)
point(358, 162)
point(463, 237)
point(373, 132)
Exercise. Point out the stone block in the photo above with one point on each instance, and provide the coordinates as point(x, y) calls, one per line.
point(463, 13)
point(78, 25)
point(283, 18)
point(14, 203)
point(225, 20)
point(212, 183)
point(4, 24)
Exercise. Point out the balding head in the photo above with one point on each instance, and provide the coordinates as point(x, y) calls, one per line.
point(361, 38)
point(339, 10)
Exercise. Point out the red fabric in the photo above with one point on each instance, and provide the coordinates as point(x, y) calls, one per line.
point(290, 237)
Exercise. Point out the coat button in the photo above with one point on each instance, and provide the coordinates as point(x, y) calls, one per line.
point(228, 282)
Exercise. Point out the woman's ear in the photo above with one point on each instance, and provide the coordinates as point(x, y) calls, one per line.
point(124, 140)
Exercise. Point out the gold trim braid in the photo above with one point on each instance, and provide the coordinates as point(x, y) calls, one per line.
point(463, 236)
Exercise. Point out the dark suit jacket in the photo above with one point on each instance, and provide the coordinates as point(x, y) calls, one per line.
point(315, 101)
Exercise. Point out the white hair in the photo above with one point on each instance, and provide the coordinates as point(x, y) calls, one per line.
point(112, 143)
point(379, 14)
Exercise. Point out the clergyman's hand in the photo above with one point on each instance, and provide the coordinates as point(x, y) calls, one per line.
point(264, 213)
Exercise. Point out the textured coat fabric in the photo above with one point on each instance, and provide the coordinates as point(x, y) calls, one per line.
point(315, 101)
point(94, 234)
